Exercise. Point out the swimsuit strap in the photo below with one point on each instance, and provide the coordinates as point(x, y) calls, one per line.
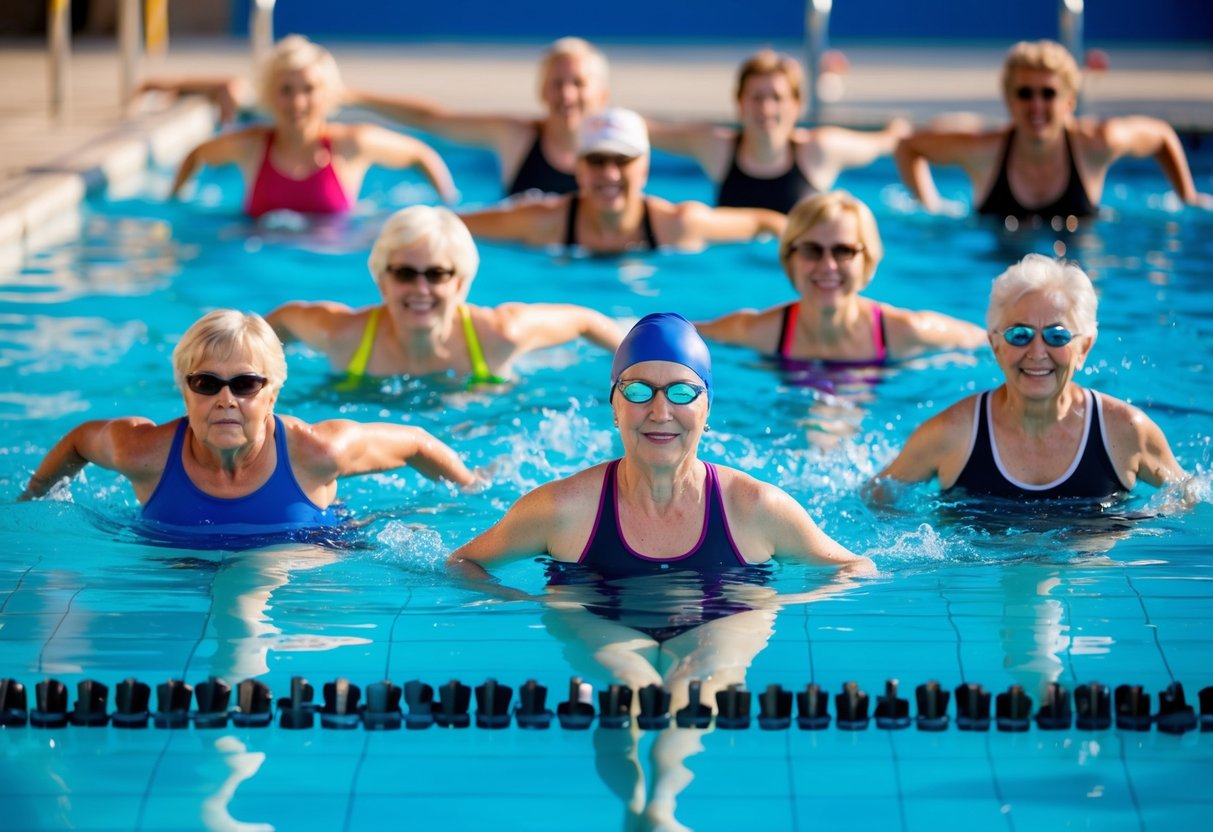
point(646, 225)
point(880, 341)
point(570, 226)
point(356, 369)
point(787, 329)
point(481, 374)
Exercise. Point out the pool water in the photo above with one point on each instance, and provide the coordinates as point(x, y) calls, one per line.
point(1122, 595)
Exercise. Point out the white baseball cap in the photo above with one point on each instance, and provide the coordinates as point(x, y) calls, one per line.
point(614, 130)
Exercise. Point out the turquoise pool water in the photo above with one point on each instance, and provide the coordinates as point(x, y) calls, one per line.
point(1125, 598)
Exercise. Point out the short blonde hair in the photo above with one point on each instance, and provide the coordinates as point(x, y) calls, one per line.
point(1046, 55)
point(1056, 277)
point(818, 208)
point(570, 47)
point(439, 226)
point(293, 53)
point(770, 62)
point(224, 333)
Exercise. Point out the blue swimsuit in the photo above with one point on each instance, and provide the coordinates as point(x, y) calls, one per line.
point(1091, 474)
point(279, 505)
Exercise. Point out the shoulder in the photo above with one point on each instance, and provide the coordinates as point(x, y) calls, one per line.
point(1123, 422)
point(748, 498)
point(138, 442)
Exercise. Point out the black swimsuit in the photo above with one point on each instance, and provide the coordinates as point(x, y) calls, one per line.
point(1073, 202)
point(1091, 475)
point(570, 227)
point(537, 174)
point(779, 193)
point(661, 597)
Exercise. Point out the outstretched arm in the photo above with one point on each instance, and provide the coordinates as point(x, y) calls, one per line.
point(913, 333)
point(392, 150)
point(920, 459)
point(353, 448)
point(313, 323)
point(706, 143)
point(838, 149)
point(723, 225)
point(228, 94)
point(534, 326)
point(1145, 136)
point(230, 148)
point(98, 442)
point(742, 328)
point(530, 222)
point(521, 532)
point(794, 535)
point(482, 130)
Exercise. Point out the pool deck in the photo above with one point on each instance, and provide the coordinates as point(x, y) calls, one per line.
point(47, 165)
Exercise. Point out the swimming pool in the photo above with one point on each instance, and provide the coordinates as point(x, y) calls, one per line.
point(86, 332)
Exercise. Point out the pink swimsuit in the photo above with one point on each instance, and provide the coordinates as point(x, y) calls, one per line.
point(320, 193)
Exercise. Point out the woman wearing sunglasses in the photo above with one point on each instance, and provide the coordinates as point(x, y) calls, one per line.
point(423, 264)
point(768, 161)
point(610, 212)
point(830, 251)
point(1047, 163)
point(231, 465)
point(1039, 435)
point(303, 162)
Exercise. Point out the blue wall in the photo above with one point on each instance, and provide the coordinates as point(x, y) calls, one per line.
point(1181, 20)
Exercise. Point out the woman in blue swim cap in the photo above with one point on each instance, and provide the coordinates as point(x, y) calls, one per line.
point(656, 574)
point(669, 506)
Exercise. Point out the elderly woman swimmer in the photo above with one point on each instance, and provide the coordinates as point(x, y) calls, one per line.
point(830, 251)
point(610, 212)
point(423, 264)
point(660, 504)
point(303, 162)
point(770, 162)
point(536, 155)
point(1039, 434)
point(231, 465)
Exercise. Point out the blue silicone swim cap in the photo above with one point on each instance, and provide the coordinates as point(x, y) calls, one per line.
point(664, 336)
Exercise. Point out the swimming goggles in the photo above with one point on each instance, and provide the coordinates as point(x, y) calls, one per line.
point(433, 275)
point(242, 386)
point(680, 392)
point(1021, 335)
point(815, 252)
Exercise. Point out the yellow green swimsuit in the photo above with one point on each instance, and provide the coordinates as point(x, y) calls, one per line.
point(355, 371)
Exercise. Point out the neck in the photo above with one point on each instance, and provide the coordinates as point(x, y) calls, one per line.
point(765, 148)
point(300, 137)
point(660, 486)
point(229, 461)
point(829, 324)
point(1038, 415)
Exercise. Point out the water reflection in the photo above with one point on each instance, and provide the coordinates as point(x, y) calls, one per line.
point(667, 631)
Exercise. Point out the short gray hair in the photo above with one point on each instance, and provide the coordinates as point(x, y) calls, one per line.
point(436, 225)
point(225, 332)
point(1048, 275)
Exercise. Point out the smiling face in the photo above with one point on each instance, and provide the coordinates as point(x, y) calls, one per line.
point(224, 421)
point(611, 182)
point(413, 299)
point(571, 88)
point(658, 432)
point(769, 105)
point(820, 262)
point(1037, 371)
point(1040, 102)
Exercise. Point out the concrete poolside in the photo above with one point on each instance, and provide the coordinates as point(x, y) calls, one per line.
point(46, 166)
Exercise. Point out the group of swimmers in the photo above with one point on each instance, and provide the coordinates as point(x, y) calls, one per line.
point(232, 462)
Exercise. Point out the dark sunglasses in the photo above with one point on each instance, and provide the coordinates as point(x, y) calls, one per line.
point(1021, 335)
point(601, 160)
point(680, 392)
point(814, 252)
point(433, 275)
point(1027, 93)
point(243, 386)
